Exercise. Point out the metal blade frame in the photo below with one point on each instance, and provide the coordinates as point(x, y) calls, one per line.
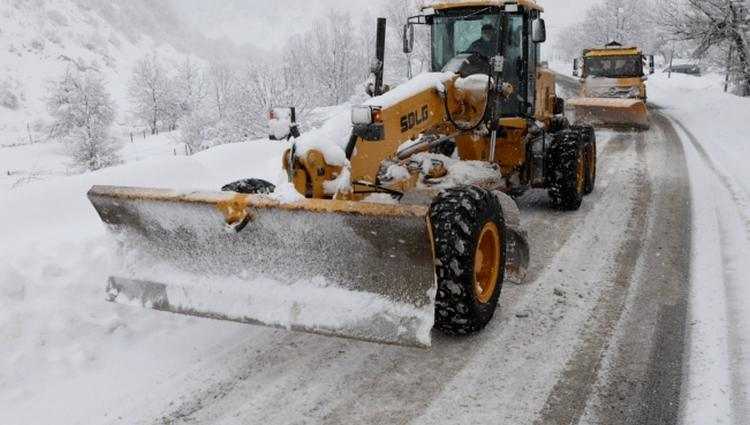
point(350, 269)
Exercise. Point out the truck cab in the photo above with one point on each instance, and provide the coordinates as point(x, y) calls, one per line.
point(615, 71)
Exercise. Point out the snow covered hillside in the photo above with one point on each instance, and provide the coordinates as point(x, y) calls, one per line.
point(40, 39)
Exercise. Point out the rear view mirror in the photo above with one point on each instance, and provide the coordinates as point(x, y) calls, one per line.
point(408, 38)
point(651, 64)
point(575, 67)
point(538, 31)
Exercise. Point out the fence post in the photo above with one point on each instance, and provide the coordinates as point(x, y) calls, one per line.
point(671, 60)
point(729, 68)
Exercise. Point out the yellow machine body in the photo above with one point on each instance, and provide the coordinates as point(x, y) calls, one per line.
point(338, 262)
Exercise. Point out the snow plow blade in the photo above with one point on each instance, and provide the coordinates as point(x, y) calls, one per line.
point(349, 269)
point(606, 112)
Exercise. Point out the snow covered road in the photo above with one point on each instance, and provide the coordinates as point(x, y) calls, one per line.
point(607, 329)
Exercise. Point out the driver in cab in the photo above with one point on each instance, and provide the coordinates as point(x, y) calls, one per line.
point(487, 44)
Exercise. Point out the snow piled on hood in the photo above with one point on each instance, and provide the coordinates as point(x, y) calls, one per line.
point(410, 88)
point(331, 138)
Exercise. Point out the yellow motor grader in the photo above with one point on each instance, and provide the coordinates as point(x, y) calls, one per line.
point(414, 229)
point(613, 87)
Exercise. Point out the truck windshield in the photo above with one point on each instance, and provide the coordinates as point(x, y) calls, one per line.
point(467, 32)
point(614, 66)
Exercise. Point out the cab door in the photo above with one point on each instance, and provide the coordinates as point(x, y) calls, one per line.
point(531, 59)
point(514, 68)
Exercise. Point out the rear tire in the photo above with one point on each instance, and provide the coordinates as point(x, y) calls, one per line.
point(567, 170)
point(469, 241)
point(250, 187)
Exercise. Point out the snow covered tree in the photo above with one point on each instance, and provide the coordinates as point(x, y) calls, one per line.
point(149, 89)
point(189, 85)
point(397, 12)
point(84, 113)
point(631, 22)
point(332, 57)
point(714, 24)
point(264, 86)
point(173, 106)
point(221, 82)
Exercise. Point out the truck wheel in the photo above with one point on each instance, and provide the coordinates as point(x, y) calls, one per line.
point(567, 170)
point(588, 138)
point(250, 187)
point(469, 244)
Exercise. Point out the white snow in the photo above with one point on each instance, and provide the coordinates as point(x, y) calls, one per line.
point(58, 333)
point(341, 184)
point(473, 83)
point(41, 39)
point(281, 122)
point(420, 83)
point(714, 127)
point(286, 193)
point(396, 172)
point(63, 347)
point(20, 165)
point(460, 172)
point(331, 138)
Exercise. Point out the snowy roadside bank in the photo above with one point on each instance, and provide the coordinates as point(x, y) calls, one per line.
point(58, 333)
point(714, 128)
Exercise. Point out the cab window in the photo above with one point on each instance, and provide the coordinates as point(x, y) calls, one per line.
point(453, 35)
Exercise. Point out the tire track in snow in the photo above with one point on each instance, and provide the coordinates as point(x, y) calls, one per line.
point(567, 401)
point(640, 381)
point(641, 376)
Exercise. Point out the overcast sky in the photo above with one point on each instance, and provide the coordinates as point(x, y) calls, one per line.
point(263, 22)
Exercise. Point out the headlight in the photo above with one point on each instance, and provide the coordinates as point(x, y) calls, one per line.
point(361, 115)
point(365, 115)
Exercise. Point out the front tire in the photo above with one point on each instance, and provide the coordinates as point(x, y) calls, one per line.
point(469, 240)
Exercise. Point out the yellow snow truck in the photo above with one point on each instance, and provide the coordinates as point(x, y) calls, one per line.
point(403, 227)
point(613, 87)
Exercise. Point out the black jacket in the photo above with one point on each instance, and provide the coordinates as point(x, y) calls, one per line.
point(484, 48)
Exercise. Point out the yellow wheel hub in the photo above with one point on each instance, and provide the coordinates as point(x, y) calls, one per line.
point(580, 174)
point(487, 264)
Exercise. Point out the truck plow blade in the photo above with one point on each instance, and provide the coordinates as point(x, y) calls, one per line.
point(348, 269)
point(606, 112)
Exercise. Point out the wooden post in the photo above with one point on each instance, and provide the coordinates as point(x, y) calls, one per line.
point(729, 68)
point(671, 60)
